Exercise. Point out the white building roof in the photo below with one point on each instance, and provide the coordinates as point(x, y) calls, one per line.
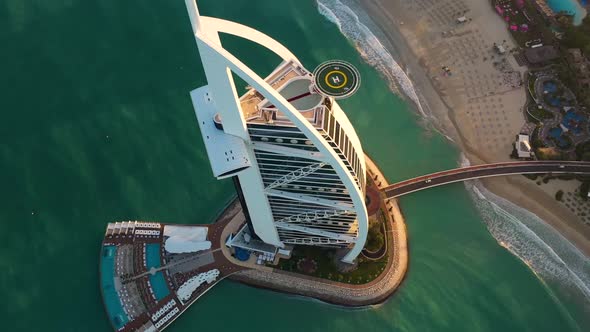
point(177, 245)
point(195, 233)
point(183, 239)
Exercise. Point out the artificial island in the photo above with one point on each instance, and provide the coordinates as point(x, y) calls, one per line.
point(313, 216)
point(308, 198)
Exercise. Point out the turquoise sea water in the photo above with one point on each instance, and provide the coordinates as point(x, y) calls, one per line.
point(98, 126)
point(570, 6)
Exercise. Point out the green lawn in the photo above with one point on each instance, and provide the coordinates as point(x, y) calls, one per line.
point(541, 114)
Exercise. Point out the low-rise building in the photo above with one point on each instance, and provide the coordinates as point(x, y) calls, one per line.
point(523, 146)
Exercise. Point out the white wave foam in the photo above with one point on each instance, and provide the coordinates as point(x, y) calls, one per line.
point(463, 161)
point(551, 256)
point(369, 46)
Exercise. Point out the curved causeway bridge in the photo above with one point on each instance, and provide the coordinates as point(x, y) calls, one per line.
point(483, 171)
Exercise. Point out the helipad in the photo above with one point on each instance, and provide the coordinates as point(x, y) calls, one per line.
point(336, 79)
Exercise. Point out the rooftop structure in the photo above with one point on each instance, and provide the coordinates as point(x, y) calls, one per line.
point(295, 158)
point(243, 239)
point(184, 239)
point(523, 146)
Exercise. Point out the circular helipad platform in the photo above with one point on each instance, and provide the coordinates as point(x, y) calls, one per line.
point(336, 79)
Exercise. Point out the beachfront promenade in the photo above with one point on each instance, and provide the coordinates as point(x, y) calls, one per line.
point(482, 171)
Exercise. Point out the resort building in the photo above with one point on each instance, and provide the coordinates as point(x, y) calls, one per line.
point(523, 146)
point(295, 158)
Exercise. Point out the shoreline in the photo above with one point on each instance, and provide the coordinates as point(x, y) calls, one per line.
point(388, 17)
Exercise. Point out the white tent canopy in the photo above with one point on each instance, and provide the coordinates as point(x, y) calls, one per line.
point(182, 239)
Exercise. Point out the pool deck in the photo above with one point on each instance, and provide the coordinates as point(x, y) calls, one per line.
point(143, 321)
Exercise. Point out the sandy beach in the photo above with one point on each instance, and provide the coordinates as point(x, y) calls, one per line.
point(480, 105)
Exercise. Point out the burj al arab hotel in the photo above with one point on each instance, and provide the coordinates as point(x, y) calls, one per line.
point(294, 156)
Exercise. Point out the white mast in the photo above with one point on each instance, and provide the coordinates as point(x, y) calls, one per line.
point(193, 13)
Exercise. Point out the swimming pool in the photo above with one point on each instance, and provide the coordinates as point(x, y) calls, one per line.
point(242, 254)
point(574, 121)
point(557, 133)
point(550, 86)
point(570, 6)
point(554, 101)
point(157, 281)
point(107, 280)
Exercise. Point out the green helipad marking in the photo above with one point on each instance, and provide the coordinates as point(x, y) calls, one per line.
point(336, 79)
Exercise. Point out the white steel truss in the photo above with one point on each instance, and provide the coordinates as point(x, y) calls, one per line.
point(314, 215)
point(296, 175)
point(310, 199)
point(259, 146)
point(315, 231)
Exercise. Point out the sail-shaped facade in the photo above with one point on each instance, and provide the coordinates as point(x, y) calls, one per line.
point(296, 160)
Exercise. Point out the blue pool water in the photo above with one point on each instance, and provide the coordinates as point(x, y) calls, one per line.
point(557, 133)
point(152, 255)
point(242, 255)
point(550, 87)
point(554, 101)
point(570, 6)
point(158, 282)
point(574, 121)
point(113, 304)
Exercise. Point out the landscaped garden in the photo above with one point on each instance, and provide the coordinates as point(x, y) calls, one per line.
point(376, 236)
point(324, 265)
point(538, 113)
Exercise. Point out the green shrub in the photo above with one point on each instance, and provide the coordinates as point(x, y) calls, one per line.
point(559, 195)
